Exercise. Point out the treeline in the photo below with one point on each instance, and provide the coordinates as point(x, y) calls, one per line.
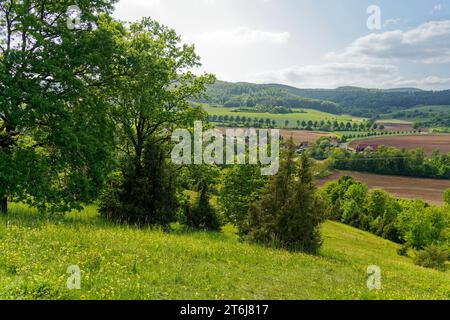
point(392, 161)
point(373, 102)
point(298, 124)
point(414, 224)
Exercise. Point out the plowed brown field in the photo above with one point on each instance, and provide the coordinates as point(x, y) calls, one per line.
point(298, 136)
point(429, 142)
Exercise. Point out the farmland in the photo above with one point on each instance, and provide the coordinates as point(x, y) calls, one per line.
point(305, 115)
point(298, 136)
point(120, 262)
point(397, 126)
point(429, 190)
point(429, 142)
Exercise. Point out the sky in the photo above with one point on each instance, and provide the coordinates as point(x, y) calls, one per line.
point(312, 43)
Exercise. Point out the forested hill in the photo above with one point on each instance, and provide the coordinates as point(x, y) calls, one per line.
point(351, 100)
point(250, 95)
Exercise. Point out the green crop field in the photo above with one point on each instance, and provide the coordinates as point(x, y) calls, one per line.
point(120, 262)
point(306, 115)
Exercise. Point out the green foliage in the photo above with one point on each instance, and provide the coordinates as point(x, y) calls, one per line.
point(145, 194)
point(421, 225)
point(202, 216)
point(149, 103)
point(383, 210)
point(423, 116)
point(411, 222)
point(432, 256)
point(52, 110)
point(241, 187)
point(289, 213)
point(352, 203)
point(246, 95)
point(335, 192)
point(403, 250)
point(393, 161)
point(447, 197)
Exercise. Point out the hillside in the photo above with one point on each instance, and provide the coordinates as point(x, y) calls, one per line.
point(344, 100)
point(127, 263)
point(432, 116)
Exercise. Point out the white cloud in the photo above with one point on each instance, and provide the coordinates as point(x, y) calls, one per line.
point(330, 75)
point(428, 43)
point(244, 36)
point(338, 74)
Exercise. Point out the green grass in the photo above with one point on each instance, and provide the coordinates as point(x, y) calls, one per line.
point(126, 263)
point(307, 115)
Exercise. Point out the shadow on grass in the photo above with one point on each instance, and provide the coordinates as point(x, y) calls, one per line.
point(22, 215)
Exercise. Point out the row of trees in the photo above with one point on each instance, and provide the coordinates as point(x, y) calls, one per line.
point(376, 133)
point(299, 124)
point(392, 161)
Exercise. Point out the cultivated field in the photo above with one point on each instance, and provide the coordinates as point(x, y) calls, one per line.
point(397, 126)
point(306, 115)
point(429, 190)
point(429, 142)
point(298, 136)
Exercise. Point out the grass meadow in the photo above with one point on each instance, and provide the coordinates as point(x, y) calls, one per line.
point(306, 115)
point(118, 262)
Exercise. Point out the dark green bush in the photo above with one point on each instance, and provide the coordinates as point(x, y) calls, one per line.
point(290, 211)
point(433, 257)
point(144, 193)
point(202, 216)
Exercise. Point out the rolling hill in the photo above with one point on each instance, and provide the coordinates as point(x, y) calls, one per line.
point(118, 262)
point(344, 100)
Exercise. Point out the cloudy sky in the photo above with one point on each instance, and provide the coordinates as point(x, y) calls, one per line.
point(312, 43)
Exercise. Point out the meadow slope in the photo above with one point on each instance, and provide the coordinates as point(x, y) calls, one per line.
point(128, 263)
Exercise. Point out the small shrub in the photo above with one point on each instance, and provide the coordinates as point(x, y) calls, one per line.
point(403, 250)
point(202, 216)
point(433, 257)
point(447, 196)
point(144, 192)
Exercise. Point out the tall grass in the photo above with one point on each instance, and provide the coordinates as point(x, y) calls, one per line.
point(123, 262)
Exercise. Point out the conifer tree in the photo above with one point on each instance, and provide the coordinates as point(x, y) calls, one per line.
point(290, 210)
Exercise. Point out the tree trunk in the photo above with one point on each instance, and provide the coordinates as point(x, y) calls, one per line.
point(4, 205)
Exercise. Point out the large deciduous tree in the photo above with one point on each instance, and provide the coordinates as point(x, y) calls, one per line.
point(55, 138)
point(149, 103)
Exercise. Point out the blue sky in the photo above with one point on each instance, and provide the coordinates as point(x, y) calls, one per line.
point(312, 43)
